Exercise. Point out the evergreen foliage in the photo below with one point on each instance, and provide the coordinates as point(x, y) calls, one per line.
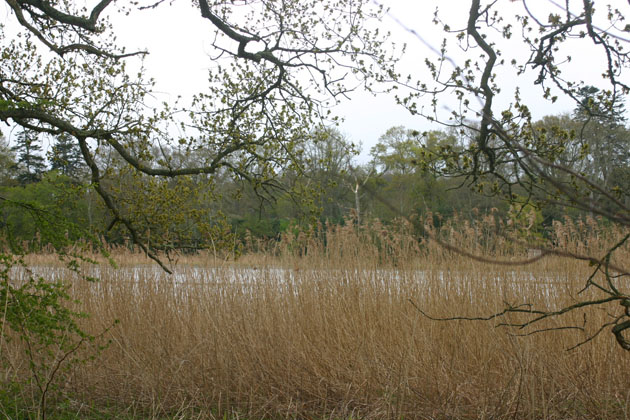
point(30, 164)
point(65, 157)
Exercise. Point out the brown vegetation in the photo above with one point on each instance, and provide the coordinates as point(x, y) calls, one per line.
point(321, 325)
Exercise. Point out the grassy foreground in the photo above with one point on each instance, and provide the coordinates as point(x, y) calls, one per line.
point(304, 330)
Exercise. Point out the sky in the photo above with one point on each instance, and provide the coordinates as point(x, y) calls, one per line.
point(179, 41)
point(180, 60)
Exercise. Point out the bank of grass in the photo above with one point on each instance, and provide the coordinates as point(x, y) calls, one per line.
point(324, 324)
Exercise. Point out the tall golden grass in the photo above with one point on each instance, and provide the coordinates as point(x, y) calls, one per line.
point(320, 325)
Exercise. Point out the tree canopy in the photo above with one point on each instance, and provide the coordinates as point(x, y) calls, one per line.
point(64, 75)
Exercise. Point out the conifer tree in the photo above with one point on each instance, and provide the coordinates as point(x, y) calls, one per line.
point(30, 163)
point(66, 157)
point(603, 133)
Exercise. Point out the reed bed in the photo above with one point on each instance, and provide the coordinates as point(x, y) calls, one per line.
point(325, 324)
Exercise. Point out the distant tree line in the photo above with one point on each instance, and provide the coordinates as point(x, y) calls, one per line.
point(406, 176)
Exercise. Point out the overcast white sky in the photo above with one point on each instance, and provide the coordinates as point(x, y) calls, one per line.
point(179, 43)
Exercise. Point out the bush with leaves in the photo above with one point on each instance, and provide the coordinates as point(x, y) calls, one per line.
point(38, 318)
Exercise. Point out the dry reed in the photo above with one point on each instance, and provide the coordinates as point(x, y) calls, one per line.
point(320, 325)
